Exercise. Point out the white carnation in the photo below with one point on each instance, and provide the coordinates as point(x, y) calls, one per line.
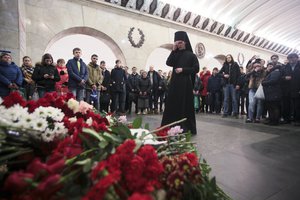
point(73, 105)
point(89, 121)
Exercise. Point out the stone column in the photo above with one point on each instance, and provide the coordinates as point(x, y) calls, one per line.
point(12, 31)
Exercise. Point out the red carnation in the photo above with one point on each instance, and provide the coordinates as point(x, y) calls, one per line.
point(32, 105)
point(49, 186)
point(127, 147)
point(98, 169)
point(192, 157)
point(12, 99)
point(163, 133)
point(16, 182)
point(138, 196)
point(37, 167)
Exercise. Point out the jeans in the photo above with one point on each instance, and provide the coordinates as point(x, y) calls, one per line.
point(78, 93)
point(254, 103)
point(229, 90)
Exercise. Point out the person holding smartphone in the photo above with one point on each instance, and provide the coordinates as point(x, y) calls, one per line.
point(45, 75)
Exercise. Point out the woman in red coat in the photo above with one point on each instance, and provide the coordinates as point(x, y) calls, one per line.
point(204, 76)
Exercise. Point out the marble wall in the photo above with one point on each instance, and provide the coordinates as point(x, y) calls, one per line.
point(48, 20)
point(9, 31)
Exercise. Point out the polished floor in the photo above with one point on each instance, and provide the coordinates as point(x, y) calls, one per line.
point(250, 161)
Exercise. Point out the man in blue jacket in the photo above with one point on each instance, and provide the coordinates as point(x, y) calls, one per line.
point(78, 75)
point(10, 75)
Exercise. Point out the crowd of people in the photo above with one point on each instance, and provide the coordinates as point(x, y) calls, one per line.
point(236, 91)
point(230, 90)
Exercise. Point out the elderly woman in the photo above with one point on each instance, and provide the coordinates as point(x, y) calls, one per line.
point(45, 75)
point(144, 88)
point(273, 93)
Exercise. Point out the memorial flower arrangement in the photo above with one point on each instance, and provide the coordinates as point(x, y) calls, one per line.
point(58, 148)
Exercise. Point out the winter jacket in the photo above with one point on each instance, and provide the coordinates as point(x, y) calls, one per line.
point(118, 79)
point(162, 86)
point(214, 84)
point(204, 78)
point(75, 76)
point(38, 76)
point(156, 79)
point(233, 71)
point(271, 85)
point(133, 81)
point(291, 87)
point(95, 76)
point(144, 85)
point(9, 73)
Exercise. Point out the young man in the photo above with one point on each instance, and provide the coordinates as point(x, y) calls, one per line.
point(180, 99)
point(94, 82)
point(78, 75)
point(105, 92)
point(117, 83)
point(10, 75)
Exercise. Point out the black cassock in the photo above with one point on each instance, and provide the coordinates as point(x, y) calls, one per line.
point(180, 101)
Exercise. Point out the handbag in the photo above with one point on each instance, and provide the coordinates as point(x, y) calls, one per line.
point(259, 94)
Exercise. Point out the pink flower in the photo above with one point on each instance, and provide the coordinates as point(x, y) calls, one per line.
point(84, 107)
point(122, 119)
point(175, 131)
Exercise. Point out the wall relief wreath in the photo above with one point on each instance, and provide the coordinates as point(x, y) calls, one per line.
point(141, 41)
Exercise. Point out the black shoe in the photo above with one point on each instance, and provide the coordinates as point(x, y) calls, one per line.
point(235, 116)
point(256, 121)
point(224, 116)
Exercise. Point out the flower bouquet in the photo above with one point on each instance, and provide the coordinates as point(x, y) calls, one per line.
point(58, 148)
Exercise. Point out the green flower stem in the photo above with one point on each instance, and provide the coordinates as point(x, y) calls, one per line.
point(72, 160)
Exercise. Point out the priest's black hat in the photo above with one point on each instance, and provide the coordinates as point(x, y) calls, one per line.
point(182, 35)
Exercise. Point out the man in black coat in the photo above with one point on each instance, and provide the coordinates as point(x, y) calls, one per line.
point(132, 84)
point(180, 99)
point(214, 88)
point(105, 92)
point(153, 98)
point(118, 79)
point(291, 89)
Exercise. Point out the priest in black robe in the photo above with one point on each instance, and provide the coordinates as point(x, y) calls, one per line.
point(180, 101)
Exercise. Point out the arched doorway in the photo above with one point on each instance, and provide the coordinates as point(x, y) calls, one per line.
point(158, 58)
point(90, 40)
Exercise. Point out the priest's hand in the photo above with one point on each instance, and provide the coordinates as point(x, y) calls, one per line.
point(178, 70)
point(175, 46)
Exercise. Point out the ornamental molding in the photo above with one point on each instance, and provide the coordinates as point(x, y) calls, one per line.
point(172, 13)
point(141, 40)
point(200, 50)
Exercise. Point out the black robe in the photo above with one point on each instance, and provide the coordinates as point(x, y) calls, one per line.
point(180, 101)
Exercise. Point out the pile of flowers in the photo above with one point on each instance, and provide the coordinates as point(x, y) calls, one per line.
point(58, 148)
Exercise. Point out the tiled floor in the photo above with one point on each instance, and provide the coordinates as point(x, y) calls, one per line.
point(250, 161)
